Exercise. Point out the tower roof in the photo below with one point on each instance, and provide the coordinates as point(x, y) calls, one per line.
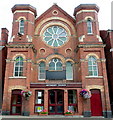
point(86, 7)
point(24, 7)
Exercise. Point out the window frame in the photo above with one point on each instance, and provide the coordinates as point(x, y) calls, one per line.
point(21, 26)
point(89, 26)
point(76, 101)
point(55, 67)
point(36, 104)
point(68, 72)
point(39, 73)
point(93, 70)
point(19, 66)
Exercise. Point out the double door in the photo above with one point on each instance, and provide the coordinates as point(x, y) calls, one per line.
point(56, 102)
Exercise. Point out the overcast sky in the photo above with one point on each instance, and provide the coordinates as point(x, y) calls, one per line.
point(6, 16)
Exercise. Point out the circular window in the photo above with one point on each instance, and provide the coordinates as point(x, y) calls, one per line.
point(55, 36)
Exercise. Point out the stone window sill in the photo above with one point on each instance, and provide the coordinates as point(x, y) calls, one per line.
point(94, 77)
point(21, 77)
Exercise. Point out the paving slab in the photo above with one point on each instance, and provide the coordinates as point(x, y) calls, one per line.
point(52, 118)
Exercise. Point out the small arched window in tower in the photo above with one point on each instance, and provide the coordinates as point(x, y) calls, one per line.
point(18, 66)
point(69, 70)
point(21, 26)
point(92, 66)
point(42, 71)
point(89, 26)
point(55, 64)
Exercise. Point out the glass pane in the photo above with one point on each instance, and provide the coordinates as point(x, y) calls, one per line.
point(59, 97)
point(55, 29)
point(52, 109)
point(58, 66)
point(16, 69)
point(21, 30)
point(72, 108)
point(90, 73)
point(90, 68)
point(52, 66)
point(42, 70)
point(95, 73)
point(50, 30)
point(38, 108)
point(17, 63)
point(21, 63)
point(47, 34)
point(42, 76)
point(13, 109)
point(20, 73)
point(55, 43)
point(52, 97)
point(16, 73)
point(21, 69)
point(16, 109)
point(14, 99)
point(18, 99)
point(60, 42)
point(69, 71)
point(51, 42)
point(59, 109)
point(47, 38)
point(21, 22)
point(39, 97)
point(60, 30)
point(72, 97)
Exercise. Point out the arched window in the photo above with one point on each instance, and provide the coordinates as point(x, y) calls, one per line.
point(42, 71)
point(21, 26)
point(89, 26)
point(69, 71)
point(92, 66)
point(55, 64)
point(18, 66)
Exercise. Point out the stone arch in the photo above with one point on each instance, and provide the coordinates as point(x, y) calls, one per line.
point(91, 54)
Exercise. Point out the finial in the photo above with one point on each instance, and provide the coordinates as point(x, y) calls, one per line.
point(54, 3)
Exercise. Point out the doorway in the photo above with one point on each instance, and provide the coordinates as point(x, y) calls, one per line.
point(16, 102)
point(96, 103)
point(56, 102)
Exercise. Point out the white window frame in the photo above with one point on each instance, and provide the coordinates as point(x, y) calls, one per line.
point(39, 74)
point(19, 66)
point(89, 26)
point(21, 26)
point(67, 78)
point(55, 64)
point(92, 66)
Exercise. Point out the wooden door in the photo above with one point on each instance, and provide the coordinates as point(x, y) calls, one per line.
point(16, 102)
point(96, 103)
point(56, 102)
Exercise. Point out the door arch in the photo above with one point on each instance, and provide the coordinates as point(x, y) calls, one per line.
point(96, 103)
point(56, 102)
point(16, 102)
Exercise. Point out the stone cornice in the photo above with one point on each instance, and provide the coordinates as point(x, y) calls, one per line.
point(20, 46)
point(91, 46)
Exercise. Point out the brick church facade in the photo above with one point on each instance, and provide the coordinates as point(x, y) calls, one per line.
point(51, 59)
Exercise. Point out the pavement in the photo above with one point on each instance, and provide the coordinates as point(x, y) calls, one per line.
point(50, 117)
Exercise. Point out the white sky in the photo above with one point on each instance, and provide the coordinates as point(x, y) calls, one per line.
point(6, 16)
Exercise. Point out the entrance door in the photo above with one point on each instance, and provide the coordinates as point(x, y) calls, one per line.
point(56, 102)
point(96, 103)
point(16, 102)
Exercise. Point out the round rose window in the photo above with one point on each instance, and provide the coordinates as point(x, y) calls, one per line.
point(55, 36)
